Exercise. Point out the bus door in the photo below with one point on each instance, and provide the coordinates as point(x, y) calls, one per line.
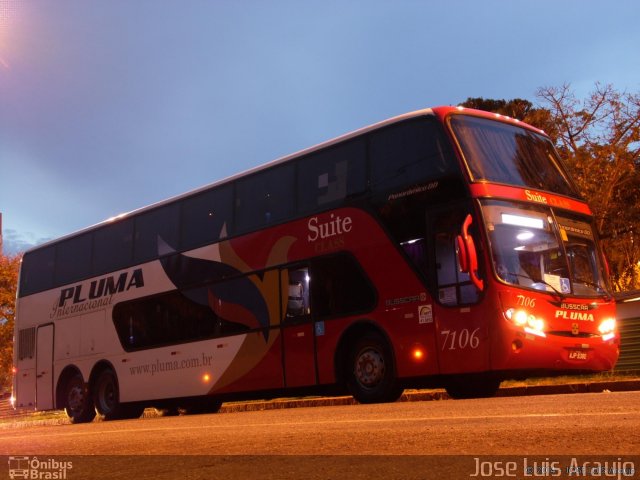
point(298, 336)
point(462, 331)
point(44, 367)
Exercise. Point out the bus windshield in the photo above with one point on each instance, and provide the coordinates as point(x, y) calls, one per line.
point(534, 247)
point(502, 153)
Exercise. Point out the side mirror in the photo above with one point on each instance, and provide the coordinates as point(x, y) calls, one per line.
point(467, 255)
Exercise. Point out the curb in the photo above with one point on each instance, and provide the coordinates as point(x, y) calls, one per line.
point(433, 395)
point(595, 387)
point(25, 419)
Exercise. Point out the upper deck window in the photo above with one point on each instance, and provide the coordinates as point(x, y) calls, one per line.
point(328, 177)
point(503, 153)
point(408, 154)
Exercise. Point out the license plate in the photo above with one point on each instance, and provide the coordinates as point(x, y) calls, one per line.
point(578, 355)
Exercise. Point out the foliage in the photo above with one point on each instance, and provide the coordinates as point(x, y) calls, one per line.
point(516, 108)
point(599, 139)
point(9, 266)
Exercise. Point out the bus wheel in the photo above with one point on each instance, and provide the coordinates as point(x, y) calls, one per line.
point(106, 397)
point(370, 371)
point(472, 386)
point(78, 405)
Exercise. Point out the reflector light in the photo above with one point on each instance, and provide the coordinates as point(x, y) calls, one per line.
point(417, 354)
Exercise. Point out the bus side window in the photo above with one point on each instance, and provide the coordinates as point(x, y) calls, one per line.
point(112, 246)
point(73, 259)
point(446, 264)
point(409, 154)
point(37, 270)
point(264, 198)
point(298, 306)
point(454, 286)
point(332, 286)
point(160, 224)
point(204, 217)
point(329, 177)
point(340, 287)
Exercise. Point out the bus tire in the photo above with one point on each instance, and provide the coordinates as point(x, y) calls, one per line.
point(370, 371)
point(106, 398)
point(77, 400)
point(472, 386)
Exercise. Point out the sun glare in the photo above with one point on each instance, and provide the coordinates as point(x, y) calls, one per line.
point(8, 15)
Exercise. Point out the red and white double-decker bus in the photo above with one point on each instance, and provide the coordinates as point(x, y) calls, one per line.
point(445, 247)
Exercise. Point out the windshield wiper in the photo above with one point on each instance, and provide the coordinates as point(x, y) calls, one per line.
point(559, 294)
point(598, 288)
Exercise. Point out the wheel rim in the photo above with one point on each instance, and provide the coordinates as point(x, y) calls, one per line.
point(107, 396)
point(369, 368)
point(76, 398)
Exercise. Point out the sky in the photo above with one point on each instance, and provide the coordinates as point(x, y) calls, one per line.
point(109, 106)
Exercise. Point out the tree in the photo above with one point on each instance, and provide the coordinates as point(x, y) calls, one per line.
point(9, 266)
point(599, 139)
point(517, 108)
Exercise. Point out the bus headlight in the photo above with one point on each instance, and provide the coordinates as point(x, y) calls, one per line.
point(607, 328)
point(529, 322)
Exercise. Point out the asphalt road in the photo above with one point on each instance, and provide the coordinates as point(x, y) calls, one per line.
point(593, 425)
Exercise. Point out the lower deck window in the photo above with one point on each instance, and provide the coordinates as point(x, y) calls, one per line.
point(322, 288)
point(172, 318)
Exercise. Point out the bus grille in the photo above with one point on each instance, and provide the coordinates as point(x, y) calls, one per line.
point(565, 333)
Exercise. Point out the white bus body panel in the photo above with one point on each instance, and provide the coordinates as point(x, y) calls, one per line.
point(184, 370)
point(85, 335)
point(44, 367)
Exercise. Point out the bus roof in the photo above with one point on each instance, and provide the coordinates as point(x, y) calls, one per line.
point(440, 112)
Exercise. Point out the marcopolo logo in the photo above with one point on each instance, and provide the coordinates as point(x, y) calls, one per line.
point(35, 468)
